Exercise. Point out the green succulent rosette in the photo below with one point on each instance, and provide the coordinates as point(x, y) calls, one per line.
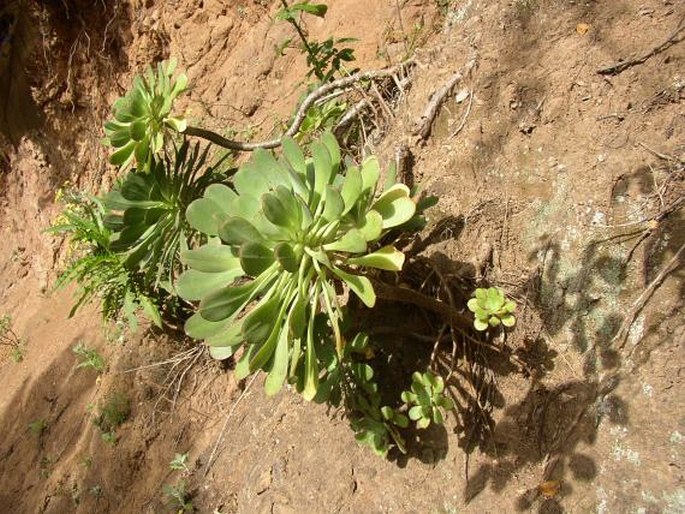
point(142, 118)
point(281, 239)
point(426, 399)
point(491, 308)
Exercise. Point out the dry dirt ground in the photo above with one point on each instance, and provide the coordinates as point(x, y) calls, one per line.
point(564, 186)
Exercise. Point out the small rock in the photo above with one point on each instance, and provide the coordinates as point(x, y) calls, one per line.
point(264, 481)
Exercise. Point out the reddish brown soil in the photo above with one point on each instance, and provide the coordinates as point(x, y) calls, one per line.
point(553, 161)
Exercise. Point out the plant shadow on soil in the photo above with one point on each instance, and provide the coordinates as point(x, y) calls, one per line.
point(85, 46)
point(56, 399)
point(583, 302)
point(69, 464)
point(551, 422)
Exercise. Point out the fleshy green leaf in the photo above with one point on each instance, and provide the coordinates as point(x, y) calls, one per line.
point(415, 413)
point(401, 421)
point(195, 285)
point(333, 204)
point(508, 320)
point(387, 258)
point(138, 129)
point(205, 215)
point(238, 231)
point(286, 257)
point(255, 258)
point(198, 327)
point(352, 241)
point(360, 285)
point(211, 259)
point(395, 206)
point(123, 155)
point(119, 138)
point(294, 156)
point(480, 325)
point(370, 172)
point(472, 304)
point(222, 195)
point(372, 226)
point(225, 302)
point(311, 367)
point(279, 366)
point(230, 335)
point(328, 139)
point(242, 367)
point(177, 123)
point(276, 212)
point(351, 188)
point(260, 322)
point(494, 299)
point(221, 353)
point(423, 423)
point(322, 167)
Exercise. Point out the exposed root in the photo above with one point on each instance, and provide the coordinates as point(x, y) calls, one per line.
point(671, 40)
point(320, 92)
point(170, 390)
point(212, 457)
point(622, 334)
point(425, 122)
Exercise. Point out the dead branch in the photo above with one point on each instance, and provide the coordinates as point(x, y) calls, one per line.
point(463, 120)
point(639, 304)
point(311, 99)
point(425, 122)
point(351, 113)
point(663, 156)
point(671, 40)
point(228, 416)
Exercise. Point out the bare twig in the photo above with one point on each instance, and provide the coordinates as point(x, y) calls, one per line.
point(660, 155)
point(228, 416)
point(438, 340)
point(671, 40)
point(350, 115)
point(638, 305)
point(426, 120)
point(310, 100)
point(463, 120)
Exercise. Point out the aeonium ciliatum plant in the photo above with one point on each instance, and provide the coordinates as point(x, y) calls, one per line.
point(143, 117)
point(290, 228)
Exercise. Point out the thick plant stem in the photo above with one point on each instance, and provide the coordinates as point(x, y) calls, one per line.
point(401, 294)
point(315, 95)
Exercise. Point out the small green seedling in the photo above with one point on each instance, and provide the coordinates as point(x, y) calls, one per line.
point(9, 338)
point(111, 438)
point(178, 496)
point(491, 308)
point(179, 462)
point(89, 358)
point(46, 466)
point(38, 427)
point(114, 412)
point(324, 58)
point(426, 399)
